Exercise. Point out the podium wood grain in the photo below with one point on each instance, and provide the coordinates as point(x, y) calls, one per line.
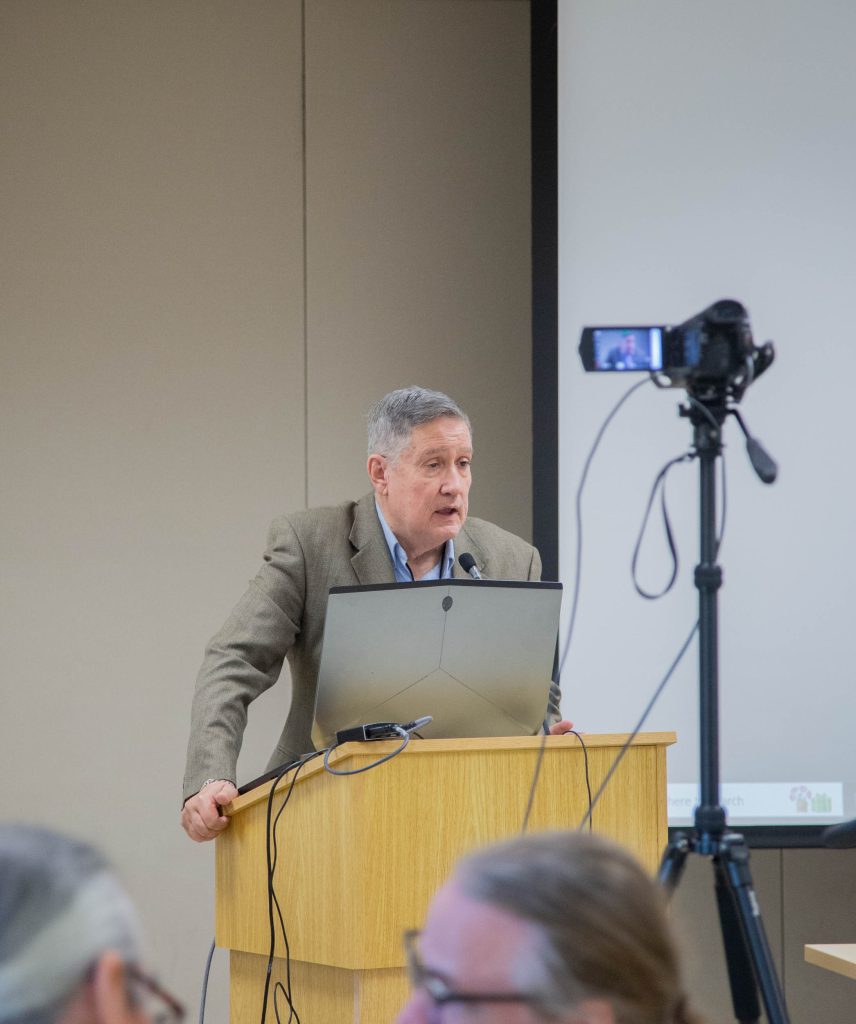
point(360, 856)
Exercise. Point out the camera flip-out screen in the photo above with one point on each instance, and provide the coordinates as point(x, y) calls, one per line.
point(622, 348)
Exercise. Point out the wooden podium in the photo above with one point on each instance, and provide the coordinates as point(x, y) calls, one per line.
point(359, 857)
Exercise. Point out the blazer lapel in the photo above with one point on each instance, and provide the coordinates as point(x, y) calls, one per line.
point(464, 542)
point(371, 561)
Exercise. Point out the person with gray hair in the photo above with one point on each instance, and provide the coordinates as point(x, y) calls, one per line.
point(406, 529)
point(392, 419)
point(70, 941)
point(557, 926)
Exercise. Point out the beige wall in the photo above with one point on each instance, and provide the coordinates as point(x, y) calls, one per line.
point(805, 896)
point(206, 279)
point(418, 246)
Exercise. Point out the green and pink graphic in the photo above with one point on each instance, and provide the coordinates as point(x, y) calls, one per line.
point(807, 802)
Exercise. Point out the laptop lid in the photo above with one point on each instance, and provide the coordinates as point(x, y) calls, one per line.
point(475, 655)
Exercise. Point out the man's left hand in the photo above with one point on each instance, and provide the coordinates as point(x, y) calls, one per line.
point(560, 728)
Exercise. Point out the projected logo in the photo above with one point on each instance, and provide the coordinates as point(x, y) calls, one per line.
point(808, 802)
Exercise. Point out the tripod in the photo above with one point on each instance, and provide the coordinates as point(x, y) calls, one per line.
point(747, 952)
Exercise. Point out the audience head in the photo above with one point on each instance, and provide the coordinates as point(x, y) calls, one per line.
point(562, 926)
point(69, 935)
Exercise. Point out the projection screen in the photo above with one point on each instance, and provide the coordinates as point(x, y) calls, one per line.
point(709, 151)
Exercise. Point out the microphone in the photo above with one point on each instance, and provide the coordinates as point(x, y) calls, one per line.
point(840, 837)
point(468, 564)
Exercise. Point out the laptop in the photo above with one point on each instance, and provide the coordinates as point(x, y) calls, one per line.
point(475, 655)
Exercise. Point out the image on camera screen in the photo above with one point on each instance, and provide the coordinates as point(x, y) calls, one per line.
point(628, 348)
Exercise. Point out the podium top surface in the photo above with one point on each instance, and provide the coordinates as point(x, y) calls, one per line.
point(416, 747)
point(838, 957)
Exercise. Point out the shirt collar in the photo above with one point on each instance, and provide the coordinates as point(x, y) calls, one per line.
point(441, 571)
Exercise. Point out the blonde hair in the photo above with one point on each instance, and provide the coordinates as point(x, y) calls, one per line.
point(601, 918)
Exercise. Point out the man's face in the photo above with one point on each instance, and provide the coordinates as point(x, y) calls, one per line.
point(473, 947)
point(629, 345)
point(424, 494)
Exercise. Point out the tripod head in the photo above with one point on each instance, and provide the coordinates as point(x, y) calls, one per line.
point(708, 417)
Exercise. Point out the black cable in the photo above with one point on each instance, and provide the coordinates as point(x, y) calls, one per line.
point(405, 739)
point(272, 854)
point(286, 989)
point(724, 508)
point(292, 1013)
point(204, 995)
point(579, 517)
point(659, 483)
point(271, 895)
point(719, 540)
point(271, 865)
point(703, 409)
point(626, 746)
point(575, 602)
point(535, 776)
point(587, 776)
point(269, 871)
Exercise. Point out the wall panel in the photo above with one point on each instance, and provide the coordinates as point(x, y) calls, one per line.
point(151, 338)
point(819, 891)
point(418, 231)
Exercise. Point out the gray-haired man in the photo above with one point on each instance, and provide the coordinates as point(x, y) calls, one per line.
point(405, 529)
point(69, 937)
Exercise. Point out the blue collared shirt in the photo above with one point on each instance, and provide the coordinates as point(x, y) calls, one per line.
point(441, 571)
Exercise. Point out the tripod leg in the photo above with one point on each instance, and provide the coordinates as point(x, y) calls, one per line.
point(673, 863)
point(733, 864)
point(741, 977)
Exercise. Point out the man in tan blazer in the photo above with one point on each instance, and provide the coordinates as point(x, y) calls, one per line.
point(409, 527)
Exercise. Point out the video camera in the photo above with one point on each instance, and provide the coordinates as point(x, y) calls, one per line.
point(711, 355)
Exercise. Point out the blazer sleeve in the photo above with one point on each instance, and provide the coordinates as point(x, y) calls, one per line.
point(245, 658)
point(535, 566)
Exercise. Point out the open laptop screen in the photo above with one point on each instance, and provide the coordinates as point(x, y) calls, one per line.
point(475, 655)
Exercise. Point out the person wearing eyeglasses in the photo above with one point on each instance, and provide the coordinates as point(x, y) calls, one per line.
point(70, 943)
point(561, 926)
